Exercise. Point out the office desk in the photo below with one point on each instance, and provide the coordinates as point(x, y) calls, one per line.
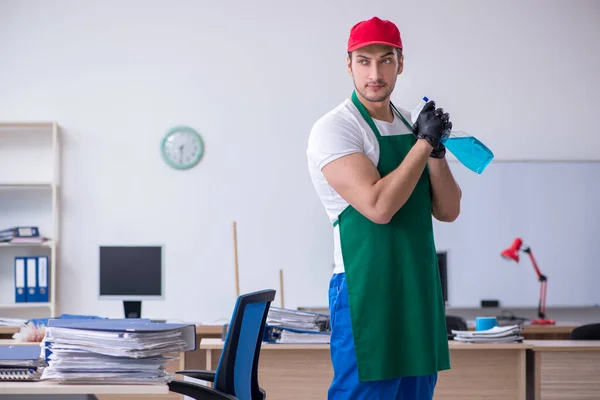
point(6, 332)
point(564, 370)
point(5, 342)
point(202, 332)
point(293, 371)
point(559, 331)
point(100, 392)
point(50, 388)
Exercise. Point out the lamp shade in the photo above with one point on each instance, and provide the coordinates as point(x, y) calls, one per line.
point(512, 253)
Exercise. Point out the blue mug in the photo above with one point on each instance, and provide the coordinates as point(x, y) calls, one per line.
point(485, 323)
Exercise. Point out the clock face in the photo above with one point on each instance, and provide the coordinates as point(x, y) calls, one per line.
point(182, 148)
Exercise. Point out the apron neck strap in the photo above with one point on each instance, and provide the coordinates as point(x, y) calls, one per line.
point(365, 114)
point(408, 124)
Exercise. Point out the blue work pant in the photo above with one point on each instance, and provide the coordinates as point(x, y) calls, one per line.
point(345, 384)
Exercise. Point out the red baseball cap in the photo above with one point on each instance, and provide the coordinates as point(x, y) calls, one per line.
point(374, 31)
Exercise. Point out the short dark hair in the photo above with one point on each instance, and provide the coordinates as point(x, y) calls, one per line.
point(398, 50)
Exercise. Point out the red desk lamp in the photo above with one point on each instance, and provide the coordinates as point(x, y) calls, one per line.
point(512, 253)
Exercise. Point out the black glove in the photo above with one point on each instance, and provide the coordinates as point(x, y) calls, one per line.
point(438, 152)
point(431, 125)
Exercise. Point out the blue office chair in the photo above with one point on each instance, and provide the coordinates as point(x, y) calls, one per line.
point(236, 377)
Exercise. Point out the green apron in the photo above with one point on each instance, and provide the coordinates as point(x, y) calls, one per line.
point(394, 289)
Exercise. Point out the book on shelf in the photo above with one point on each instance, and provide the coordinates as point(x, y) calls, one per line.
point(33, 240)
point(21, 233)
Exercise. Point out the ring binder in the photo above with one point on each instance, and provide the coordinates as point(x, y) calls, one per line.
point(19, 374)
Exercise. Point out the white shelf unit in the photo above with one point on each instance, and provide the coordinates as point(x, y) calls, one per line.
point(29, 196)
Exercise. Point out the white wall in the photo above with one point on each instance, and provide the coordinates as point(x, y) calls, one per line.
point(552, 207)
point(252, 77)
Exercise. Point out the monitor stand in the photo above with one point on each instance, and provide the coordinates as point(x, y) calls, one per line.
point(133, 309)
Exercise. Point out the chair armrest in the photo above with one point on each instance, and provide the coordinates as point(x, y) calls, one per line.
point(208, 376)
point(198, 392)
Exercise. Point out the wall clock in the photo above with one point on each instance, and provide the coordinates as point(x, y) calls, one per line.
point(182, 147)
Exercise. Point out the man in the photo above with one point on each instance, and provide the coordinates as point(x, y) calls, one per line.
point(381, 180)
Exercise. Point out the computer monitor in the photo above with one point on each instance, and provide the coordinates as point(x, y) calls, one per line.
point(443, 268)
point(131, 274)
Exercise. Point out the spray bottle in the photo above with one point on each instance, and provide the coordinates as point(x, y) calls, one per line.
point(466, 148)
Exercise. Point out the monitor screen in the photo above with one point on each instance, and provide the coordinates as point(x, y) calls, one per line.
point(131, 272)
point(443, 268)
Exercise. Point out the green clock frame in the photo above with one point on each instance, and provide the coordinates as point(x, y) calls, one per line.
point(196, 137)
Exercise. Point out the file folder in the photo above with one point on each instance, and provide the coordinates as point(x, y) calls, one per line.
point(20, 356)
point(31, 268)
point(279, 334)
point(20, 280)
point(42, 281)
point(19, 232)
point(123, 326)
point(128, 325)
point(20, 363)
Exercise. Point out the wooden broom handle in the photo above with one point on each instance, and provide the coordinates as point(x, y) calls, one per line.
point(235, 261)
point(281, 288)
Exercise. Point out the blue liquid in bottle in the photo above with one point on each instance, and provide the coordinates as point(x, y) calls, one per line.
point(469, 151)
point(466, 148)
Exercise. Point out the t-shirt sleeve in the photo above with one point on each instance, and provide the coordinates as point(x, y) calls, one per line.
point(333, 137)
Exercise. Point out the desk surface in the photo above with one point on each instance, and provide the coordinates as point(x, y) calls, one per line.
point(201, 330)
point(9, 330)
point(559, 327)
point(46, 387)
point(213, 330)
point(565, 345)
point(539, 345)
point(217, 344)
point(4, 342)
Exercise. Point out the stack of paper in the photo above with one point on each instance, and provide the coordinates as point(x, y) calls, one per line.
point(113, 351)
point(294, 326)
point(295, 319)
point(290, 336)
point(12, 321)
point(497, 334)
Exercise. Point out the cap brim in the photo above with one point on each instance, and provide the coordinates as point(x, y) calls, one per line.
point(359, 45)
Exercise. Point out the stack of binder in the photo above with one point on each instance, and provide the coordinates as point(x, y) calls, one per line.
point(31, 279)
point(294, 326)
point(21, 362)
point(4, 321)
point(19, 232)
point(116, 351)
point(22, 234)
point(497, 334)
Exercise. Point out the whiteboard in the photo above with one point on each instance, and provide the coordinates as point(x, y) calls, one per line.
point(553, 206)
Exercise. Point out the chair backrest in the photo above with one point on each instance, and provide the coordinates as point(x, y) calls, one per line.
point(456, 323)
point(586, 332)
point(237, 372)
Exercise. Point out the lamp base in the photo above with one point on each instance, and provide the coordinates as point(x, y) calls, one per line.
point(542, 321)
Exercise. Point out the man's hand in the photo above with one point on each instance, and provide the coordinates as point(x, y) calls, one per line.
point(431, 125)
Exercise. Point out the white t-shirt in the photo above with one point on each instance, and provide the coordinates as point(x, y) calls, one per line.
point(340, 132)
